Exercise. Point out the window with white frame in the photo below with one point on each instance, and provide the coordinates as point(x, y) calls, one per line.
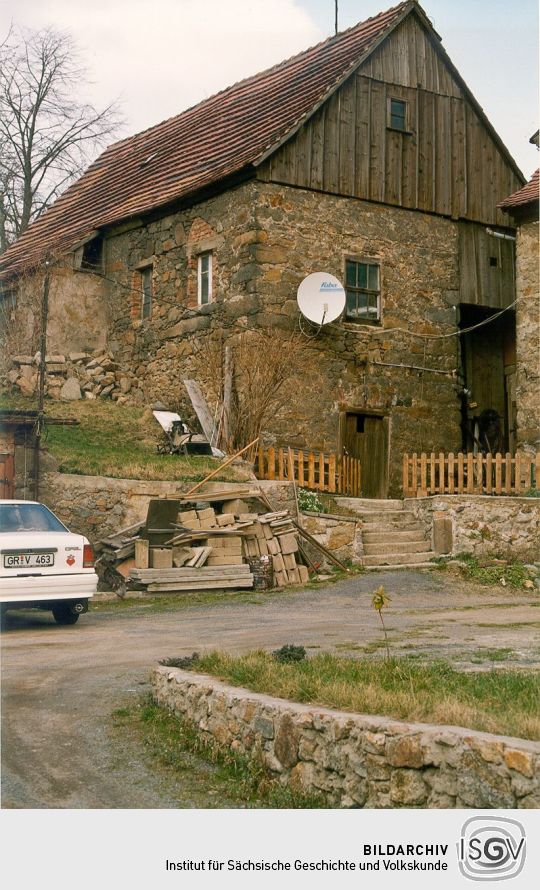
point(363, 291)
point(146, 289)
point(204, 278)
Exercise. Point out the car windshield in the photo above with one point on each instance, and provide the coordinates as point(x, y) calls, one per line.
point(28, 518)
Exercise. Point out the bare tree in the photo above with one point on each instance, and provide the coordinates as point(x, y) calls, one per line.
point(47, 134)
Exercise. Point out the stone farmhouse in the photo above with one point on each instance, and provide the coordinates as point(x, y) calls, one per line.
point(367, 157)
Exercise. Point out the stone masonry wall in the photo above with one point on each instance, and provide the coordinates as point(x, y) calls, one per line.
point(482, 525)
point(97, 506)
point(265, 239)
point(528, 338)
point(357, 760)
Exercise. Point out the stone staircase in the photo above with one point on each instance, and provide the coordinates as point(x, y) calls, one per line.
point(391, 536)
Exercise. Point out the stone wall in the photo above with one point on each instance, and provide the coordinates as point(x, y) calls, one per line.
point(528, 338)
point(265, 239)
point(357, 760)
point(342, 535)
point(97, 506)
point(481, 524)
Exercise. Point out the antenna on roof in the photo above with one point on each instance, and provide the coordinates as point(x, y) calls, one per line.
point(336, 15)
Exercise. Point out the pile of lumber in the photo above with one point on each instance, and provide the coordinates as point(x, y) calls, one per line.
point(205, 578)
point(220, 539)
point(116, 556)
point(274, 534)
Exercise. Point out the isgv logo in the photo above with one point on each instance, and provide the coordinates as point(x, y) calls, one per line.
point(491, 848)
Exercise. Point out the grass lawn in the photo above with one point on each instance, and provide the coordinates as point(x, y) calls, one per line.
point(500, 701)
point(119, 441)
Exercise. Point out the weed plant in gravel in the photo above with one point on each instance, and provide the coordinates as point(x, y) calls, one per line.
point(500, 701)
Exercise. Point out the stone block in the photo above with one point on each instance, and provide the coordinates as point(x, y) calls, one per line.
point(264, 726)
point(71, 390)
point(286, 742)
point(407, 788)
point(520, 761)
point(225, 519)
point(404, 751)
point(442, 535)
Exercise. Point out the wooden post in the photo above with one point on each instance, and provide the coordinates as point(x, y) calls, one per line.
point(415, 474)
point(227, 397)
point(281, 466)
point(498, 474)
point(451, 481)
point(300, 469)
point(460, 461)
point(271, 463)
point(322, 485)
point(431, 489)
point(290, 463)
point(508, 473)
point(331, 472)
point(470, 473)
point(489, 473)
point(311, 470)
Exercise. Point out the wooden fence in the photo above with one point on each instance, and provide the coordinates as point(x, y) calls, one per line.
point(310, 469)
point(425, 474)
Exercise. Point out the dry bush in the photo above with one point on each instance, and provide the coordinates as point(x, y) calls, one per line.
point(268, 370)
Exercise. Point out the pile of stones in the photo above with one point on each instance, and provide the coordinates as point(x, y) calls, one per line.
point(79, 375)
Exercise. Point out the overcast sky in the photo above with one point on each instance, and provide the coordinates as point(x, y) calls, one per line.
point(158, 57)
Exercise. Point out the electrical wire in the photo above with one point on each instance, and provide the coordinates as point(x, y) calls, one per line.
point(358, 329)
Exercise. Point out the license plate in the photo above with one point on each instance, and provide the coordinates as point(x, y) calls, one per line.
point(28, 560)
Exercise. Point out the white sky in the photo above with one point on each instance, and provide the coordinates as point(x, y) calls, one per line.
point(158, 57)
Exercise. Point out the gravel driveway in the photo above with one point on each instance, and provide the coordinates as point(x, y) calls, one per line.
point(60, 685)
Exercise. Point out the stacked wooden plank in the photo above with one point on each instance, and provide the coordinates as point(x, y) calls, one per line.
point(185, 579)
point(217, 542)
point(274, 534)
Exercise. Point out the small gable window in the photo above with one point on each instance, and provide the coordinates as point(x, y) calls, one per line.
point(146, 288)
point(363, 291)
point(397, 114)
point(204, 278)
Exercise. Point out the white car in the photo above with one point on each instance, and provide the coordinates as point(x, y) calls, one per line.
point(42, 564)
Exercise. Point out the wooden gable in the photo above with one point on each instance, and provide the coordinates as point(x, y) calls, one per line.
point(449, 161)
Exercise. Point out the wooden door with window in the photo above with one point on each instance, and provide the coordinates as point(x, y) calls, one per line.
point(365, 436)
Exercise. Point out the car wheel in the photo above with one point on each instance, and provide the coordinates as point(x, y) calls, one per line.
point(64, 615)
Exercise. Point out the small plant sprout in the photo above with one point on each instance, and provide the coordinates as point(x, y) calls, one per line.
point(380, 601)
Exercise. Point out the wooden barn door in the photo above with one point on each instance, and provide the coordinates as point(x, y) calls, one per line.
point(7, 476)
point(365, 436)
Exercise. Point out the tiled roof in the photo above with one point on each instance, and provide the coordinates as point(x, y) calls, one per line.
point(215, 139)
point(529, 194)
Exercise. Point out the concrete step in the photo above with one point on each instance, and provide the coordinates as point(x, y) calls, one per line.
point(396, 547)
point(369, 504)
point(386, 536)
point(389, 518)
point(391, 559)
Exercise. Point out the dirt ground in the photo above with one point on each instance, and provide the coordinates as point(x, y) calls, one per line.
point(61, 685)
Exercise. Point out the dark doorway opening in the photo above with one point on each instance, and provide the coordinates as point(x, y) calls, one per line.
point(365, 436)
point(489, 370)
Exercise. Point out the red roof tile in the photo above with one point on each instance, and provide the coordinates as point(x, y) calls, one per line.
point(200, 146)
point(529, 194)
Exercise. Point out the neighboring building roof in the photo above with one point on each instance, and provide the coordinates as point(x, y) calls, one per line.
point(223, 136)
point(534, 138)
point(529, 194)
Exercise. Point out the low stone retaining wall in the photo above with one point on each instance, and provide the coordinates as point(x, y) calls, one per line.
point(342, 535)
point(97, 506)
point(357, 760)
point(481, 524)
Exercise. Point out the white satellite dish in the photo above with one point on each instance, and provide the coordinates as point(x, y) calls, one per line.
point(321, 298)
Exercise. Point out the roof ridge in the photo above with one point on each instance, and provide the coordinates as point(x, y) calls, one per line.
point(260, 74)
